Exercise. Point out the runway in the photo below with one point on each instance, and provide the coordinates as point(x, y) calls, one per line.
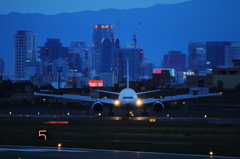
point(30, 152)
point(66, 116)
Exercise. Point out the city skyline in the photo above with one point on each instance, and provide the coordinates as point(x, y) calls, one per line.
point(156, 36)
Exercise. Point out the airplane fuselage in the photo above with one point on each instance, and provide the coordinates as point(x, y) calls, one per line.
point(128, 99)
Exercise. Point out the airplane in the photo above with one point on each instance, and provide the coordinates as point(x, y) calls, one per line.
point(128, 99)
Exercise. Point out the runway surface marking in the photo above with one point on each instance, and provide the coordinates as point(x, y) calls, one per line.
point(81, 150)
point(44, 149)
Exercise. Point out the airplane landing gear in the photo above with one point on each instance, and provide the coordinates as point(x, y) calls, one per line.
point(110, 113)
point(130, 113)
point(145, 113)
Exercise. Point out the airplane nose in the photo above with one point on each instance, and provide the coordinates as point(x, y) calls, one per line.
point(129, 101)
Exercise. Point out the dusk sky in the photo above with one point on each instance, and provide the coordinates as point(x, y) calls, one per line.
point(52, 7)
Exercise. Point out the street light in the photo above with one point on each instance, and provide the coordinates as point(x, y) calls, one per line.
point(59, 69)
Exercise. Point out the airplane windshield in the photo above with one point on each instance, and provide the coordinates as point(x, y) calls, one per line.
point(127, 97)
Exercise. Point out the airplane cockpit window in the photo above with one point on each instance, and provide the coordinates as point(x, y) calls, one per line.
point(127, 97)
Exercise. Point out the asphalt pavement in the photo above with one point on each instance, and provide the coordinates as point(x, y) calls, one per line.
point(36, 152)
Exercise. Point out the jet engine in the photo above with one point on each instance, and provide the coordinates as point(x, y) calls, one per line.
point(158, 107)
point(97, 107)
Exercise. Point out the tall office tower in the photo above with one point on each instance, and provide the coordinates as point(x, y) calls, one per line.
point(109, 50)
point(100, 31)
point(149, 70)
point(51, 51)
point(1, 67)
point(232, 52)
point(135, 58)
point(196, 55)
point(109, 53)
point(81, 58)
point(215, 53)
point(175, 60)
point(55, 49)
point(24, 50)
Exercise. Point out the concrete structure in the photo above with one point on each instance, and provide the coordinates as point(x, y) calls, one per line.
point(232, 52)
point(107, 79)
point(198, 90)
point(135, 58)
point(197, 58)
point(1, 67)
point(200, 81)
point(25, 54)
point(81, 59)
point(65, 69)
point(148, 70)
point(52, 50)
point(229, 76)
point(176, 60)
point(161, 79)
point(215, 53)
point(55, 50)
point(100, 31)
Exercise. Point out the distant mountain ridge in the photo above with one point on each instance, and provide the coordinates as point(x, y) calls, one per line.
point(164, 27)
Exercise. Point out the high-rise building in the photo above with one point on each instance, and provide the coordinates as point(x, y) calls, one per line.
point(215, 53)
point(55, 50)
point(25, 52)
point(109, 54)
point(175, 60)
point(51, 51)
point(100, 32)
point(149, 70)
point(232, 52)
point(135, 58)
point(81, 58)
point(1, 67)
point(196, 56)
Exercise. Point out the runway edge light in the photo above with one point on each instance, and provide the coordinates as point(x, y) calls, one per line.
point(152, 120)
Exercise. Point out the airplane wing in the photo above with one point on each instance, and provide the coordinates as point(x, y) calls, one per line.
point(78, 97)
point(148, 92)
point(177, 97)
point(108, 92)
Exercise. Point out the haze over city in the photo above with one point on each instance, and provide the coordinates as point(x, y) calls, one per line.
point(113, 78)
point(161, 26)
point(59, 6)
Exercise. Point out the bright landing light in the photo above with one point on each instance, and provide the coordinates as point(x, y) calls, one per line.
point(139, 102)
point(116, 102)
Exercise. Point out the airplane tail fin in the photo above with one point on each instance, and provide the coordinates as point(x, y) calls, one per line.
point(127, 74)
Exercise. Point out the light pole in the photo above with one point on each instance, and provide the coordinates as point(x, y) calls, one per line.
point(59, 69)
